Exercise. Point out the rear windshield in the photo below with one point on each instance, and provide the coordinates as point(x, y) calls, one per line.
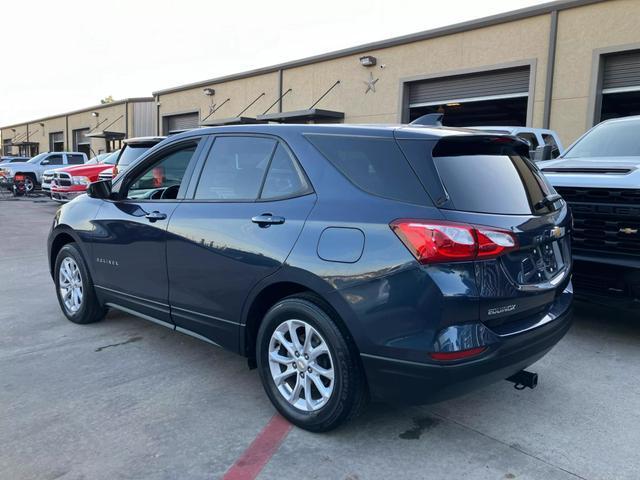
point(131, 153)
point(501, 184)
point(615, 139)
point(373, 164)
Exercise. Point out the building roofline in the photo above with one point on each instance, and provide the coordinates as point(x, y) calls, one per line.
point(532, 11)
point(82, 110)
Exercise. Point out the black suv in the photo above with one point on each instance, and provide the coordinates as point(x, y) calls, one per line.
point(406, 263)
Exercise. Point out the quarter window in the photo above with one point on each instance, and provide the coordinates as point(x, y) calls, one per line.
point(375, 165)
point(235, 168)
point(284, 179)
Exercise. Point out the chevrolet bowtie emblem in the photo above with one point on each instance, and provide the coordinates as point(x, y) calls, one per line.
point(628, 231)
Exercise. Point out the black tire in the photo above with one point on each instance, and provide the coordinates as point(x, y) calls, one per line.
point(350, 392)
point(90, 310)
point(31, 178)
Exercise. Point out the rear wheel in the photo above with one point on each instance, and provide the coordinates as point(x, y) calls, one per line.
point(29, 184)
point(74, 287)
point(308, 368)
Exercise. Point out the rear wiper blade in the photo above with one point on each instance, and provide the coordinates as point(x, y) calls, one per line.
point(548, 201)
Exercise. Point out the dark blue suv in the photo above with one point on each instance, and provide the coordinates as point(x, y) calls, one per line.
point(346, 262)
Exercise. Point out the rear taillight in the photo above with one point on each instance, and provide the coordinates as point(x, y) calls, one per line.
point(441, 241)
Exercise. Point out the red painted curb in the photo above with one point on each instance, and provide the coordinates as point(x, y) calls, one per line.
point(258, 454)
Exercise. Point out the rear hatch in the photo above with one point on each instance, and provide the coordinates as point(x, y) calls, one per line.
point(487, 181)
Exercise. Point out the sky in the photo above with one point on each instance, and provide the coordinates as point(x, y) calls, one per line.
point(72, 53)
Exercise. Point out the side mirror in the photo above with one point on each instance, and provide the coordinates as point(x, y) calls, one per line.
point(100, 189)
point(544, 152)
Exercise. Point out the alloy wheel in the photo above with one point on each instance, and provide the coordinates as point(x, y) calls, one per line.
point(301, 365)
point(70, 285)
point(28, 185)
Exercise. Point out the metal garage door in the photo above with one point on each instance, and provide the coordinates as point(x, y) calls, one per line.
point(621, 73)
point(185, 121)
point(620, 91)
point(496, 84)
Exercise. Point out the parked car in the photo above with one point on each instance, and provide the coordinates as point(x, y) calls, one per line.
point(47, 175)
point(69, 182)
point(599, 176)
point(131, 150)
point(10, 159)
point(333, 257)
point(33, 169)
point(538, 139)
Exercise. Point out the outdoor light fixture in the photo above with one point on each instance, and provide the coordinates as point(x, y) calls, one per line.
point(42, 124)
point(368, 61)
point(95, 114)
point(209, 92)
point(453, 104)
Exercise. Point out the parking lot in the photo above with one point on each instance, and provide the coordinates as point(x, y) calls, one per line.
point(125, 398)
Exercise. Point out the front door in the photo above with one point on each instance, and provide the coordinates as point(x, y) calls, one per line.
point(237, 227)
point(129, 240)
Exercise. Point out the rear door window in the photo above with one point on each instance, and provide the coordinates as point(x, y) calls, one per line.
point(529, 137)
point(75, 159)
point(55, 159)
point(373, 164)
point(549, 140)
point(234, 169)
point(501, 184)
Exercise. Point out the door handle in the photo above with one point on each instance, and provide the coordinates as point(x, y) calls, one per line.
point(267, 219)
point(155, 216)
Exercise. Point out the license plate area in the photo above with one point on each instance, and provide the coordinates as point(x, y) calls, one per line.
point(543, 262)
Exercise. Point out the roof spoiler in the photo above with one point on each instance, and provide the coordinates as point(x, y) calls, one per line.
point(456, 145)
point(429, 120)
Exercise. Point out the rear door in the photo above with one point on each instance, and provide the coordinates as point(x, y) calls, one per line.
point(245, 211)
point(488, 182)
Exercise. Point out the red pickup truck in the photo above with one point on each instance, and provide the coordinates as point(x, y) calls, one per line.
point(69, 182)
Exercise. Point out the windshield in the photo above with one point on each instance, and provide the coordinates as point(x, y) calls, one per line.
point(131, 153)
point(111, 158)
point(613, 139)
point(37, 158)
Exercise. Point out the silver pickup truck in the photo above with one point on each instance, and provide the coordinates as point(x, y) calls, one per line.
point(34, 168)
point(599, 177)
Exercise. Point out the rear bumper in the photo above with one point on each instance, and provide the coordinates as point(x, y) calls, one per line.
point(402, 381)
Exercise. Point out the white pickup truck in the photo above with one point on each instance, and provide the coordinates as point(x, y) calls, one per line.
point(34, 168)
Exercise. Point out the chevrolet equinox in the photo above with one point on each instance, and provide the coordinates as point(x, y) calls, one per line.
point(406, 263)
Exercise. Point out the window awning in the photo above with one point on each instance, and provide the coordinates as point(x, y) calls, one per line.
point(107, 135)
point(22, 144)
point(302, 116)
point(214, 122)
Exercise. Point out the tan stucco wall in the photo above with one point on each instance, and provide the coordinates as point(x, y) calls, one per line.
point(487, 47)
point(112, 115)
point(582, 31)
point(240, 92)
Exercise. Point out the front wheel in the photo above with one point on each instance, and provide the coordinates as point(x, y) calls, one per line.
point(308, 367)
point(74, 287)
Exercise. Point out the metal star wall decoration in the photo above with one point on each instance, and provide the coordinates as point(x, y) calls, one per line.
point(371, 84)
